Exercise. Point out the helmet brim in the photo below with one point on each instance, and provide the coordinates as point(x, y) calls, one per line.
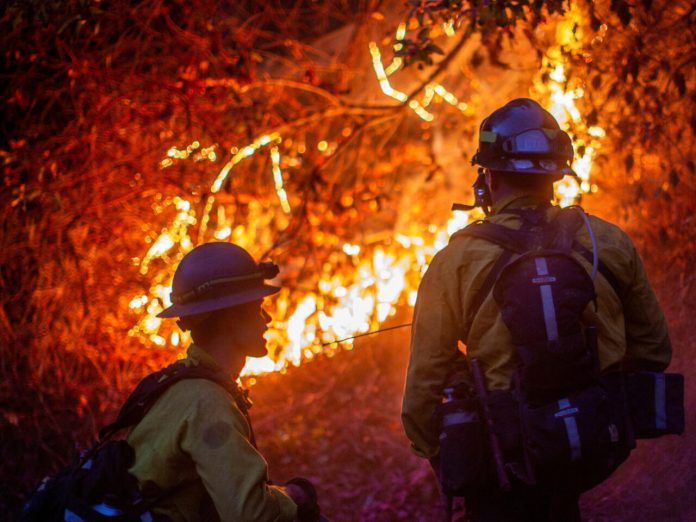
point(218, 303)
point(529, 165)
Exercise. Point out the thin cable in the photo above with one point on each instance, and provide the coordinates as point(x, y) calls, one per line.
point(368, 333)
point(593, 239)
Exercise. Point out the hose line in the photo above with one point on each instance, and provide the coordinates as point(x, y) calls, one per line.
point(593, 239)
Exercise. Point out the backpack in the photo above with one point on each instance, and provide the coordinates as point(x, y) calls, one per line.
point(99, 487)
point(570, 422)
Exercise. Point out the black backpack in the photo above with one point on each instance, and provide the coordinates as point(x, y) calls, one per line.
point(99, 487)
point(570, 422)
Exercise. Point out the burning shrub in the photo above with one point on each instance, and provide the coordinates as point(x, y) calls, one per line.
point(132, 131)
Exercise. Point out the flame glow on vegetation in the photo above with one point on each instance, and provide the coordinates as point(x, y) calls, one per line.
point(360, 289)
point(373, 282)
point(383, 73)
point(561, 100)
point(562, 97)
point(360, 286)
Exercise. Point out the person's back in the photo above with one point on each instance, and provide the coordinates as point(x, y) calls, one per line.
point(631, 327)
point(522, 152)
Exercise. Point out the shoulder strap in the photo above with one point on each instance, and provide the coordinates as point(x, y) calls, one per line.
point(512, 241)
point(154, 385)
point(488, 283)
point(516, 241)
point(559, 234)
point(569, 221)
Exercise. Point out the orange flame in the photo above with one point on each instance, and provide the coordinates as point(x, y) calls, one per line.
point(562, 104)
point(375, 279)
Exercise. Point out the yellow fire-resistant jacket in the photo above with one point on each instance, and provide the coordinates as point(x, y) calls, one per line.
point(631, 331)
point(196, 431)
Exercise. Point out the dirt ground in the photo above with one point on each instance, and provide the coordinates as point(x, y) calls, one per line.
point(336, 421)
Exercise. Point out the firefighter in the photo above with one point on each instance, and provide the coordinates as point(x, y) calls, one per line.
point(522, 152)
point(197, 440)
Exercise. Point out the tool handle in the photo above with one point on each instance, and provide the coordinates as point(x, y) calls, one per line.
point(482, 392)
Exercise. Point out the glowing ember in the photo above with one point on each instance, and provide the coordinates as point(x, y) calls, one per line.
point(387, 89)
point(278, 178)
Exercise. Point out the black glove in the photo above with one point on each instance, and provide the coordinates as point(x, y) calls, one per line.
point(308, 511)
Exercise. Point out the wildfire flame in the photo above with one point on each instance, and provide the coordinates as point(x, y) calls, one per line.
point(562, 104)
point(373, 280)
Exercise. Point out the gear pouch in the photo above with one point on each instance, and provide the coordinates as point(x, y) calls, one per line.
point(656, 403)
point(462, 450)
point(579, 438)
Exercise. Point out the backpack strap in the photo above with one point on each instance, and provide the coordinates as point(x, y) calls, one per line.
point(154, 385)
point(513, 242)
point(559, 234)
point(516, 241)
point(488, 283)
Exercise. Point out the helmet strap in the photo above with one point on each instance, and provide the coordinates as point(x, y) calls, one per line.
point(191, 321)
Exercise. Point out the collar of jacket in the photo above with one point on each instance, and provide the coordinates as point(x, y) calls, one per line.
point(200, 356)
point(519, 200)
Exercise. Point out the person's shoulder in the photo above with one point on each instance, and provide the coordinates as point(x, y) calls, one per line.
point(616, 248)
point(464, 237)
point(196, 391)
point(472, 243)
point(463, 245)
point(609, 231)
point(200, 398)
point(599, 221)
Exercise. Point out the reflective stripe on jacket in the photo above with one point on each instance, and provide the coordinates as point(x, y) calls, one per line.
point(632, 330)
point(196, 430)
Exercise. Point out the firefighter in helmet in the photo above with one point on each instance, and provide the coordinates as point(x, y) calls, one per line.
point(197, 439)
point(522, 152)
